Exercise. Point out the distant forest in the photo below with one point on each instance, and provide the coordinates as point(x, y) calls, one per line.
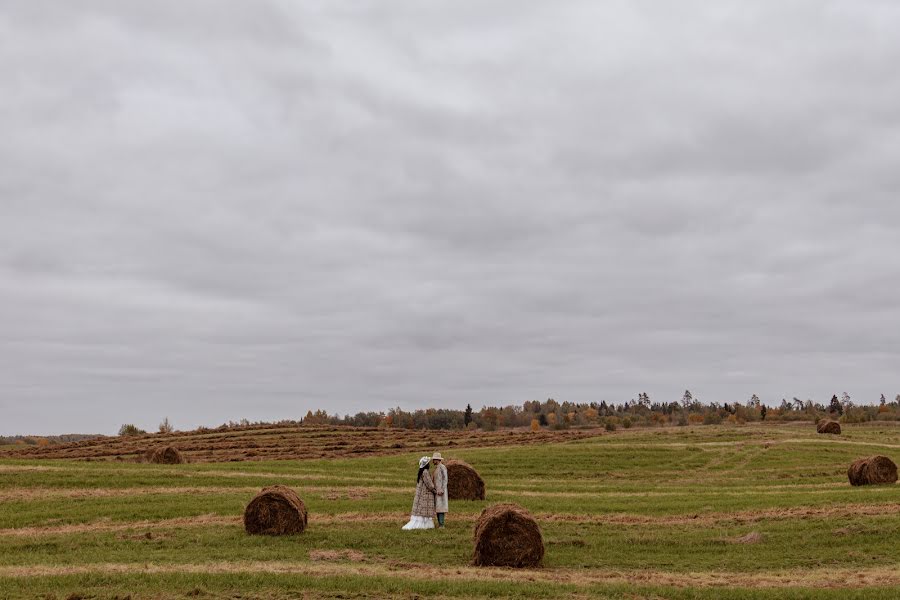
point(34, 440)
point(642, 412)
point(551, 414)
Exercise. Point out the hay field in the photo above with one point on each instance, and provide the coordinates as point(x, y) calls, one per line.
point(276, 442)
point(702, 512)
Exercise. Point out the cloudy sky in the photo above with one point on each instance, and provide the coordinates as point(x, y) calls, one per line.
point(213, 210)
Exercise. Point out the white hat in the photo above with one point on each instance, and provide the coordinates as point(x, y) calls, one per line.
point(437, 456)
point(423, 462)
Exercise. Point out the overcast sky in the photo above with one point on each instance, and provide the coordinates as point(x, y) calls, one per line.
point(213, 210)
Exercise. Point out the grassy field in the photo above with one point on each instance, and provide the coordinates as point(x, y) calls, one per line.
point(636, 514)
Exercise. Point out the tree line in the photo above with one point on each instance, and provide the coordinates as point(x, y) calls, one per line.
point(642, 411)
point(552, 414)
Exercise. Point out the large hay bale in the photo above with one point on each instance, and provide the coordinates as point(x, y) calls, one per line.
point(832, 427)
point(872, 470)
point(276, 510)
point(506, 535)
point(463, 482)
point(166, 455)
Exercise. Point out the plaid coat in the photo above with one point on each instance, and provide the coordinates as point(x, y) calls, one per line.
point(423, 504)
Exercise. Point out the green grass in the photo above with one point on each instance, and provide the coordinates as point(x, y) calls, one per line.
point(663, 476)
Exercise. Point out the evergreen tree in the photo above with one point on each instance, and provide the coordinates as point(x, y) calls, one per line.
point(467, 416)
point(835, 406)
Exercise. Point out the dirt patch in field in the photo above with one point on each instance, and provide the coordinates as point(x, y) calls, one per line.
point(357, 493)
point(850, 530)
point(144, 537)
point(754, 537)
point(336, 555)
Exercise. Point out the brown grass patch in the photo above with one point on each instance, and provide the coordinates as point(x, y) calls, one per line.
point(146, 536)
point(45, 493)
point(357, 493)
point(336, 555)
point(828, 577)
point(754, 537)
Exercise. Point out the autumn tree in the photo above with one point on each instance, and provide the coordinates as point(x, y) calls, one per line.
point(490, 418)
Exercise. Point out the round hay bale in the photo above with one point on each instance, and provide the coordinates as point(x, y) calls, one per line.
point(276, 510)
point(832, 427)
point(166, 455)
point(506, 535)
point(872, 470)
point(463, 482)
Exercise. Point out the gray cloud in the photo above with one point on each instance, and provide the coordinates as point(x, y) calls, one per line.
point(223, 210)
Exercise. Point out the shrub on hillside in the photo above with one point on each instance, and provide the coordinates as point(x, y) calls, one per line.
point(712, 418)
point(129, 429)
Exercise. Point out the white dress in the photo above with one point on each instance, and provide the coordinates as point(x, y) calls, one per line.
point(419, 523)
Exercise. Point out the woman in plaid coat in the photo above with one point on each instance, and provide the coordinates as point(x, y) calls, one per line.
point(423, 504)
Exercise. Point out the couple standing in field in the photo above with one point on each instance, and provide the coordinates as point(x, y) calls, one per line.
point(431, 494)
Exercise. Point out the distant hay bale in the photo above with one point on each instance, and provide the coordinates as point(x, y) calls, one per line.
point(832, 427)
point(872, 470)
point(506, 535)
point(276, 510)
point(463, 482)
point(166, 455)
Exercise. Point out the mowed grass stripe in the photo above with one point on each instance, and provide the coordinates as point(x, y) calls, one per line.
point(885, 576)
point(789, 543)
point(77, 493)
point(752, 516)
point(18, 478)
point(274, 586)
